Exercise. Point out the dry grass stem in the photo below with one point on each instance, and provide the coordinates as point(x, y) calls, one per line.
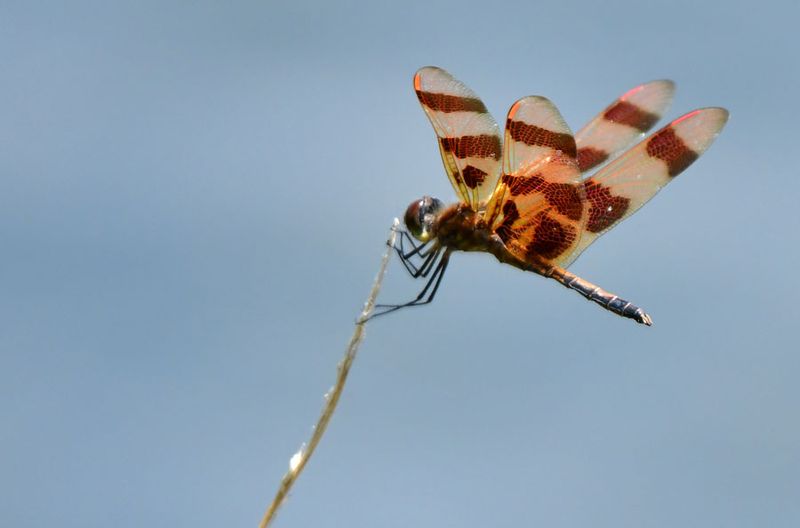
point(298, 461)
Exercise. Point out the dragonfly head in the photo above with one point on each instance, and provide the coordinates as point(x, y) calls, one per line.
point(421, 215)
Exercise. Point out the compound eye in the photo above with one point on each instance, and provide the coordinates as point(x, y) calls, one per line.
point(430, 209)
point(414, 218)
point(421, 216)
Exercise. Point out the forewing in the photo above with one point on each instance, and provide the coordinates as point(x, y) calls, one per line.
point(469, 138)
point(624, 121)
point(538, 208)
point(535, 133)
point(624, 185)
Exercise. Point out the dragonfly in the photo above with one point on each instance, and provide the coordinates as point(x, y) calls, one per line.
point(524, 196)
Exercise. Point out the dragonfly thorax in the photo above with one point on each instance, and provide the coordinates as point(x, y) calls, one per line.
point(421, 215)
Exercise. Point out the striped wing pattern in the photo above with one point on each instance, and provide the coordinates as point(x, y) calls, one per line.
point(469, 138)
point(624, 185)
point(541, 207)
point(538, 208)
point(624, 121)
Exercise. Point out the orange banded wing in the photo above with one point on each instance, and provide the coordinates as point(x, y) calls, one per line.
point(624, 121)
point(538, 208)
point(628, 182)
point(469, 138)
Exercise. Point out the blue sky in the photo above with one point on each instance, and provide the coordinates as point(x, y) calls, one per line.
point(194, 201)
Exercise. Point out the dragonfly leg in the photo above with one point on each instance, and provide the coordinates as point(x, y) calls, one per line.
point(423, 251)
point(431, 286)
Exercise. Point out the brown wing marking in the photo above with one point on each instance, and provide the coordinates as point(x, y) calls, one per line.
point(564, 197)
point(538, 208)
point(465, 147)
point(590, 157)
point(440, 102)
point(627, 113)
point(622, 122)
point(623, 186)
point(667, 146)
point(604, 208)
point(536, 136)
point(550, 238)
point(469, 138)
point(535, 132)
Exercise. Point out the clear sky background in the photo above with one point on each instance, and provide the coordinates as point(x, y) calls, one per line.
point(194, 198)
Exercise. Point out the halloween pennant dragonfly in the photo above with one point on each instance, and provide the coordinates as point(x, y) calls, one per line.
point(524, 197)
